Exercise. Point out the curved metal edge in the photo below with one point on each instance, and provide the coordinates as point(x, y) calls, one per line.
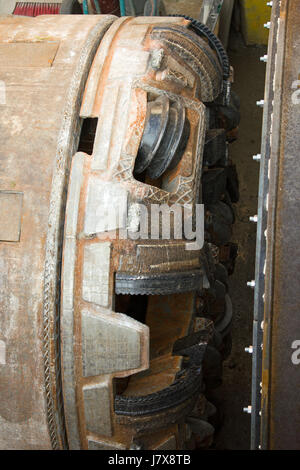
point(67, 143)
point(173, 395)
point(158, 284)
point(67, 320)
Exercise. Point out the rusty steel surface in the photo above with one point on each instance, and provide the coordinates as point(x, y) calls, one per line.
point(120, 82)
point(280, 412)
point(39, 119)
point(82, 366)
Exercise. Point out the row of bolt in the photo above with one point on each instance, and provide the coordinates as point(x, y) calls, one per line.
point(254, 218)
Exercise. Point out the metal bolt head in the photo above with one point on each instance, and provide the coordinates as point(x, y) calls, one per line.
point(251, 283)
point(264, 58)
point(247, 409)
point(253, 218)
point(260, 103)
point(267, 25)
point(249, 350)
point(257, 157)
point(269, 4)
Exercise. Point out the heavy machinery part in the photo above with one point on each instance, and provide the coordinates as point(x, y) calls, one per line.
point(223, 324)
point(135, 266)
point(275, 411)
point(43, 125)
point(72, 334)
point(155, 125)
point(164, 157)
point(192, 48)
point(218, 222)
point(158, 283)
point(164, 139)
point(204, 31)
point(215, 149)
point(186, 385)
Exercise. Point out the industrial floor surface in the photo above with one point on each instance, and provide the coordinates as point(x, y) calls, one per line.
point(235, 393)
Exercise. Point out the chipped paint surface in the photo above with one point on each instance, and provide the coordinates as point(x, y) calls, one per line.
point(37, 100)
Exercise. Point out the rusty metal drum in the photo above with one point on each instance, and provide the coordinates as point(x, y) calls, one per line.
point(44, 66)
point(96, 328)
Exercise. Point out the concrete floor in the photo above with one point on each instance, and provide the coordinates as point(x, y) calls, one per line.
point(235, 393)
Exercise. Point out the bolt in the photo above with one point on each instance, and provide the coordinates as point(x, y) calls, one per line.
point(262, 325)
point(257, 157)
point(260, 103)
point(267, 25)
point(248, 409)
point(269, 4)
point(249, 350)
point(264, 58)
point(251, 283)
point(253, 218)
